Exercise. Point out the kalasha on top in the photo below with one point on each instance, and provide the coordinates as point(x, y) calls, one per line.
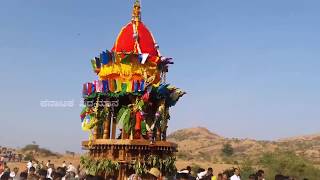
point(126, 109)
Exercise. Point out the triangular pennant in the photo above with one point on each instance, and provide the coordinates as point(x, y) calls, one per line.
point(98, 62)
point(104, 58)
point(144, 58)
point(94, 65)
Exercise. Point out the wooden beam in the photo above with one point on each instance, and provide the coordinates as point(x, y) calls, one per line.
point(106, 130)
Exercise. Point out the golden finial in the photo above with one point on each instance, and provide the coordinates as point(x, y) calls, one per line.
point(136, 13)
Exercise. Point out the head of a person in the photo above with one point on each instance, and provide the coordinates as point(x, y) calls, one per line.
point(219, 177)
point(23, 175)
point(7, 169)
point(16, 170)
point(189, 169)
point(237, 171)
point(260, 174)
point(43, 174)
point(32, 170)
point(252, 177)
point(210, 171)
point(225, 176)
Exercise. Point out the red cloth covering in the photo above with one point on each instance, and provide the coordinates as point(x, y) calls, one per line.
point(125, 41)
point(138, 121)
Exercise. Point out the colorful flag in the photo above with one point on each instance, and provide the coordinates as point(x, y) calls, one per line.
point(143, 57)
point(84, 90)
point(98, 62)
point(105, 86)
point(94, 65)
point(141, 85)
point(104, 57)
point(89, 88)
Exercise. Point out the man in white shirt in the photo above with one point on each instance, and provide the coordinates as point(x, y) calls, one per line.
point(49, 171)
point(48, 163)
point(71, 168)
point(64, 165)
point(236, 175)
point(29, 165)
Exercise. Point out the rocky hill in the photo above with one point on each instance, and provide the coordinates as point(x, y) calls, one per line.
point(199, 145)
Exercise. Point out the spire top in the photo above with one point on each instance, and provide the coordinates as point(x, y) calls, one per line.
point(136, 13)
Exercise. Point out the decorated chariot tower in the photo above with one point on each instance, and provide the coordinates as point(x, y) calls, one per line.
point(126, 109)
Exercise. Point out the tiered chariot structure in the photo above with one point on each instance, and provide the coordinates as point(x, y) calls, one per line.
point(126, 110)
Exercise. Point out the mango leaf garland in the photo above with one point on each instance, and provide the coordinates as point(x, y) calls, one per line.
point(123, 119)
point(143, 128)
point(140, 105)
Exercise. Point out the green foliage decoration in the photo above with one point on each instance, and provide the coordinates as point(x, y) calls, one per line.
point(94, 167)
point(165, 165)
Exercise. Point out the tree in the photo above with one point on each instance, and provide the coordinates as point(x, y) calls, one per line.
point(227, 150)
point(288, 163)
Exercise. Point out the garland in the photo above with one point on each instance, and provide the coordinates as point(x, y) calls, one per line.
point(166, 165)
point(94, 167)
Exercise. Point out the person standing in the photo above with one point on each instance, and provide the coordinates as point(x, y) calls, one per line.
point(64, 165)
point(14, 173)
point(225, 176)
point(260, 174)
point(236, 175)
point(29, 165)
point(210, 175)
point(48, 163)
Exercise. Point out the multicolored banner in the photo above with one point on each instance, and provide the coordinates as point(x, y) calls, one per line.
point(114, 86)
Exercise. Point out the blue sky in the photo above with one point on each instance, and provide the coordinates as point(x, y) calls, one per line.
point(251, 68)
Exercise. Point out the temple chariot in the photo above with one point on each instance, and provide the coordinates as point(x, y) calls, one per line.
point(126, 110)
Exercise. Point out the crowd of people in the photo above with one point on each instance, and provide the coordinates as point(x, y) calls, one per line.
point(232, 174)
point(36, 170)
point(47, 171)
point(9, 155)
